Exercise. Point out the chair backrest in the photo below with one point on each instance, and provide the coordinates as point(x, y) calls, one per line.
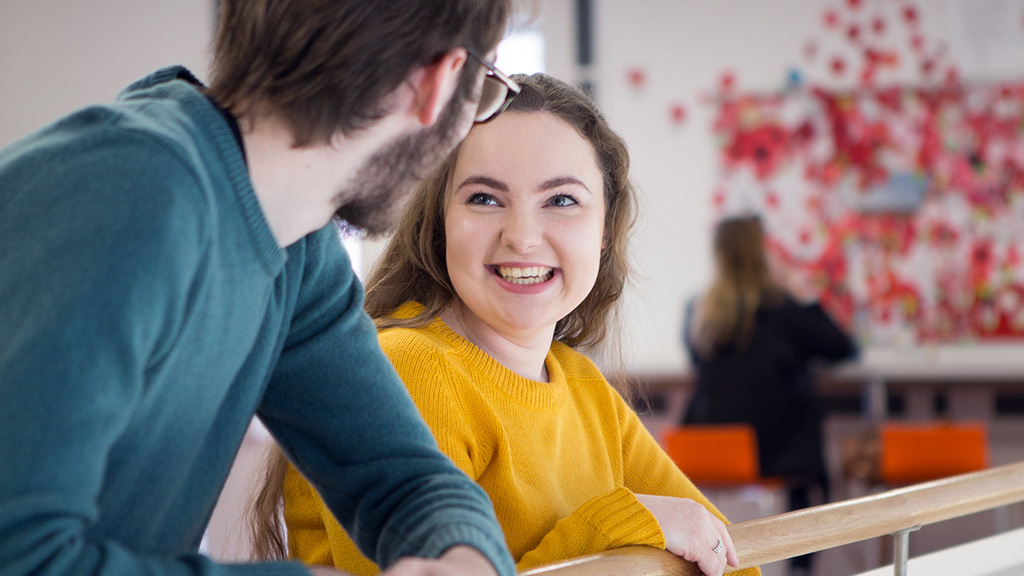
point(714, 454)
point(918, 452)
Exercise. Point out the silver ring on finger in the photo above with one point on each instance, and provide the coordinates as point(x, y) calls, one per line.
point(718, 547)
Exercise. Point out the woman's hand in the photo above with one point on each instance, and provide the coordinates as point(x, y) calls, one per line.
point(692, 533)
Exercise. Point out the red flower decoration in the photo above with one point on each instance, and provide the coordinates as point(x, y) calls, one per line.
point(853, 33)
point(1013, 257)
point(910, 15)
point(878, 25)
point(838, 65)
point(718, 200)
point(727, 81)
point(831, 18)
point(677, 112)
point(763, 148)
point(637, 77)
point(867, 76)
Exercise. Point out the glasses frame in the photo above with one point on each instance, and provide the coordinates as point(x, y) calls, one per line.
point(512, 89)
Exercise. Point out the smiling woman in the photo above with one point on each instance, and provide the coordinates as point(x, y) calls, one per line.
point(509, 261)
point(524, 225)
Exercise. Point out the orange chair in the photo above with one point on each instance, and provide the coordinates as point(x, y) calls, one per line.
point(715, 454)
point(918, 452)
point(721, 459)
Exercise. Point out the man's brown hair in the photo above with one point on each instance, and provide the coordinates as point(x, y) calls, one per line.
point(327, 66)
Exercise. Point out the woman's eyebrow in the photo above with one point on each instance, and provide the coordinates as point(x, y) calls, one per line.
point(548, 184)
point(563, 181)
point(484, 181)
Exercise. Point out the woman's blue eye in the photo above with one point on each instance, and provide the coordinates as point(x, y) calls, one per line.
point(481, 198)
point(563, 200)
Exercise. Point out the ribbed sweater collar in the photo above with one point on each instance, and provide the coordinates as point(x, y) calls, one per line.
point(535, 395)
point(178, 84)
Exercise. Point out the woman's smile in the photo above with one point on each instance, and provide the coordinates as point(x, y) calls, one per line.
point(524, 224)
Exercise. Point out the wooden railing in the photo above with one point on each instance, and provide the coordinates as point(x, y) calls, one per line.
point(795, 533)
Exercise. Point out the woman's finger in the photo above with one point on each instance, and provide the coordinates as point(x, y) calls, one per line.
point(729, 553)
point(710, 562)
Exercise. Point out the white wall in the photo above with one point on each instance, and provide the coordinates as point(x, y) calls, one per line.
point(684, 46)
point(57, 56)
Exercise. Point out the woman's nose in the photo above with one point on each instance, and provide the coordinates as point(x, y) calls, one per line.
point(522, 231)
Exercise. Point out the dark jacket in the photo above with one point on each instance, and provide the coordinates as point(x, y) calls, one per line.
point(769, 384)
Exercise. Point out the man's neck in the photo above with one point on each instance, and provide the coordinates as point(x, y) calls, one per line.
point(292, 184)
point(298, 188)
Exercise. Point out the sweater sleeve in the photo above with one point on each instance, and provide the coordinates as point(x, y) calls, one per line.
point(338, 409)
point(611, 520)
point(314, 535)
point(89, 293)
point(648, 469)
point(817, 333)
point(617, 518)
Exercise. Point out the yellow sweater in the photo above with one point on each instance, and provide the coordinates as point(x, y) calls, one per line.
point(561, 460)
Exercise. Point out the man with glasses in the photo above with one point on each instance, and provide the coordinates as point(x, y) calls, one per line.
point(169, 270)
point(497, 93)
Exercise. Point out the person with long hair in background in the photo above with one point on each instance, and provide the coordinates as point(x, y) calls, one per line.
point(753, 339)
point(509, 263)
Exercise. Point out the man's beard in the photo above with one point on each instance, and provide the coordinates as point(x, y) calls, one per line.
point(376, 199)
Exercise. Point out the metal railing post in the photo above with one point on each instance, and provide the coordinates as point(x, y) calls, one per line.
point(901, 550)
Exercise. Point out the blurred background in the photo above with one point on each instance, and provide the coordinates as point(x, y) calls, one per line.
point(880, 141)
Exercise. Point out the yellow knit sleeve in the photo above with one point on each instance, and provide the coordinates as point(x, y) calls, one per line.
point(647, 469)
point(610, 520)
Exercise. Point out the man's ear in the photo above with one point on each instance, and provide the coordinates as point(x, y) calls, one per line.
point(434, 85)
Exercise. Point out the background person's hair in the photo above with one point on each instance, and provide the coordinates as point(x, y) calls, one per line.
point(743, 282)
point(328, 66)
point(413, 264)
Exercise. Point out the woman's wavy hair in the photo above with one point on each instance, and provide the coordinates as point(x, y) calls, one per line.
point(743, 283)
point(413, 265)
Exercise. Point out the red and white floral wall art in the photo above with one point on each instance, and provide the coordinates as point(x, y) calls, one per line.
point(904, 202)
point(906, 205)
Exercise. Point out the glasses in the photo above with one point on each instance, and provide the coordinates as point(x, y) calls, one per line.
point(498, 92)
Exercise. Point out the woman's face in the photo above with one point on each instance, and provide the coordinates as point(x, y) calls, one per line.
point(524, 223)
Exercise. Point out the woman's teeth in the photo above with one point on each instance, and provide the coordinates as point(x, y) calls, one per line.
point(526, 276)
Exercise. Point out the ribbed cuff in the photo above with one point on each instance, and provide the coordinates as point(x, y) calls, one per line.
point(468, 535)
point(269, 569)
point(620, 518)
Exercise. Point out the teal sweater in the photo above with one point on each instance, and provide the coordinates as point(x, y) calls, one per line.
point(146, 313)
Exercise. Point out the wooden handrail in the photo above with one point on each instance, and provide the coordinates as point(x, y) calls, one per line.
point(821, 527)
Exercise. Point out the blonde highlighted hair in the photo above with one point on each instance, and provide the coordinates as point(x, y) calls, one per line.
point(726, 314)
